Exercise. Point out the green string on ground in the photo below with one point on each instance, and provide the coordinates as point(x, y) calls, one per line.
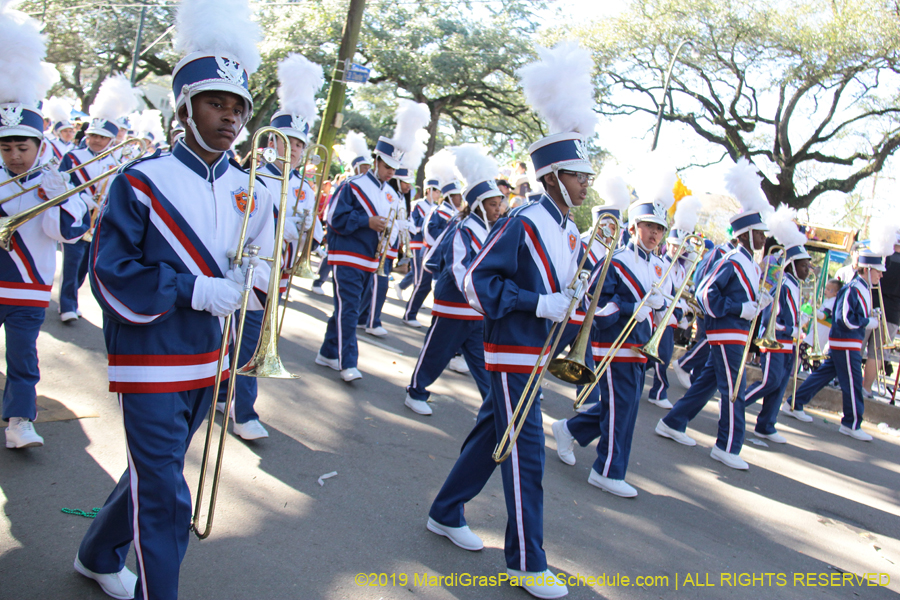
point(80, 513)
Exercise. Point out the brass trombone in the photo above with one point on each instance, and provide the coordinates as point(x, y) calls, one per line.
point(882, 342)
point(815, 352)
point(265, 361)
point(302, 266)
point(384, 243)
point(529, 393)
point(769, 339)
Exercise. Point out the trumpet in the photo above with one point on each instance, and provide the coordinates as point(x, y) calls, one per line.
point(619, 342)
point(265, 361)
point(384, 243)
point(529, 393)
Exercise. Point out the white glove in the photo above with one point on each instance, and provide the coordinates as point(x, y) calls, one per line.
point(643, 314)
point(554, 306)
point(402, 225)
point(412, 227)
point(655, 299)
point(673, 322)
point(52, 181)
point(292, 229)
point(219, 296)
point(764, 301)
point(820, 314)
point(872, 324)
point(749, 310)
point(795, 332)
point(804, 319)
point(683, 323)
point(308, 222)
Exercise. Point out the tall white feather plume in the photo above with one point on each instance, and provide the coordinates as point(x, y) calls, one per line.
point(743, 182)
point(474, 164)
point(24, 78)
point(115, 99)
point(57, 109)
point(412, 159)
point(614, 191)
point(560, 89)
point(150, 121)
point(412, 117)
point(220, 26)
point(783, 229)
point(442, 166)
point(300, 80)
point(687, 213)
point(355, 145)
point(660, 185)
point(882, 237)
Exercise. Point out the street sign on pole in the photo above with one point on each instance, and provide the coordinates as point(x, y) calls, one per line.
point(357, 74)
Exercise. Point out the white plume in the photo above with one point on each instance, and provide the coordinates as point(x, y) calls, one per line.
point(614, 191)
point(115, 99)
point(882, 237)
point(559, 88)
point(300, 80)
point(743, 182)
point(221, 27)
point(474, 164)
point(24, 78)
point(660, 185)
point(687, 213)
point(412, 159)
point(442, 166)
point(149, 121)
point(57, 109)
point(354, 146)
point(783, 229)
point(412, 117)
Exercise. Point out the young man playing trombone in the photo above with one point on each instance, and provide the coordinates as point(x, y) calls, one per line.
point(165, 278)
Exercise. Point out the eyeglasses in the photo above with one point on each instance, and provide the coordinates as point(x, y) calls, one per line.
point(582, 178)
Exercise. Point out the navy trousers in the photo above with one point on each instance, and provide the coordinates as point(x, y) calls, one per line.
point(445, 338)
point(340, 334)
point(522, 473)
point(370, 304)
point(612, 419)
point(158, 431)
point(245, 388)
point(22, 325)
point(421, 289)
point(846, 365)
point(695, 358)
point(719, 374)
point(74, 270)
point(659, 390)
point(324, 272)
point(415, 271)
point(777, 370)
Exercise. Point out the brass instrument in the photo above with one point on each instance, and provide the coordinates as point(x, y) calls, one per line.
point(888, 343)
point(815, 352)
point(529, 393)
point(265, 361)
point(572, 368)
point(302, 267)
point(619, 342)
point(769, 340)
point(882, 340)
point(384, 243)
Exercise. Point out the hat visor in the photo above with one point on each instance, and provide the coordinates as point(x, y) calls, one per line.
point(651, 219)
point(294, 133)
point(21, 131)
point(217, 85)
point(100, 131)
point(388, 160)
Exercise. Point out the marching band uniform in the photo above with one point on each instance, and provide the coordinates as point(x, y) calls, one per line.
point(161, 275)
point(60, 147)
point(659, 389)
point(420, 211)
point(372, 301)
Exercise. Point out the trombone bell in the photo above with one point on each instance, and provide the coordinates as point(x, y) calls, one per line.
point(571, 371)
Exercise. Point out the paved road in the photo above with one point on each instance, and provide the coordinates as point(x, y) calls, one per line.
point(823, 504)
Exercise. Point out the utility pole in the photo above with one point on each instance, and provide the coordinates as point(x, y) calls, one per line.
point(333, 118)
point(137, 45)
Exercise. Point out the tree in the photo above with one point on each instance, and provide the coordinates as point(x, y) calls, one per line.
point(809, 92)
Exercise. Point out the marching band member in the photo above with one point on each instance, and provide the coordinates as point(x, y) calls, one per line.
point(685, 219)
point(730, 297)
point(635, 272)
point(519, 282)
point(456, 326)
point(59, 112)
point(419, 213)
point(444, 168)
point(164, 279)
point(853, 316)
point(27, 268)
point(357, 218)
point(360, 161)
point(115, 99)
point(148, 127)
point(777, 365)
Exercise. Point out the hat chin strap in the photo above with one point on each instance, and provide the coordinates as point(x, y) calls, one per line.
point(477, 205)
point(562, 188)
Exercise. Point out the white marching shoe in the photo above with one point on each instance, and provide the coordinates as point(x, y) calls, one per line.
point(331, 363)
point(463, 537)
point(796, 413)
point(420, 407)
point(729, 460)
point(377, 331)
point(617, 487)
point(21, 434)
point(776, 437)
point(684, 378)
point(251, 430)
point(412, 323)
point(565, 442)
point(540, 584)
point(398, 291)
point(673, 434)
point(662, 403)
point(69, 316)
point(458, 364)
point(351, 374)
point(118, 585)
point(317, 289)
point(856, 434)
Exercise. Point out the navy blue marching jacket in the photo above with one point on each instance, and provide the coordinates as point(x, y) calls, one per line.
point(730, 283)
point(58, 147)
point(170, 218)
point(787, 317)
point(420, 212)
point(670, 286)
point(533, 251)
point(74, 158)
point(709, 261)
point(26, 271)
point(595, 256)
point(852, 310)
point(630, 277)
point(351, 242)
point(437, 221)
point(457, 251)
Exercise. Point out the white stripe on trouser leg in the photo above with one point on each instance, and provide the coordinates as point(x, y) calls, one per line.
point(726, 402)
point(659, 379)
point(517, 489)
point(337, 316)
point(612, 424)
point(692, 353)
point(133, 483)
point(415, 377)
point(762, 383)
point(852, 385)
point(374, 301)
